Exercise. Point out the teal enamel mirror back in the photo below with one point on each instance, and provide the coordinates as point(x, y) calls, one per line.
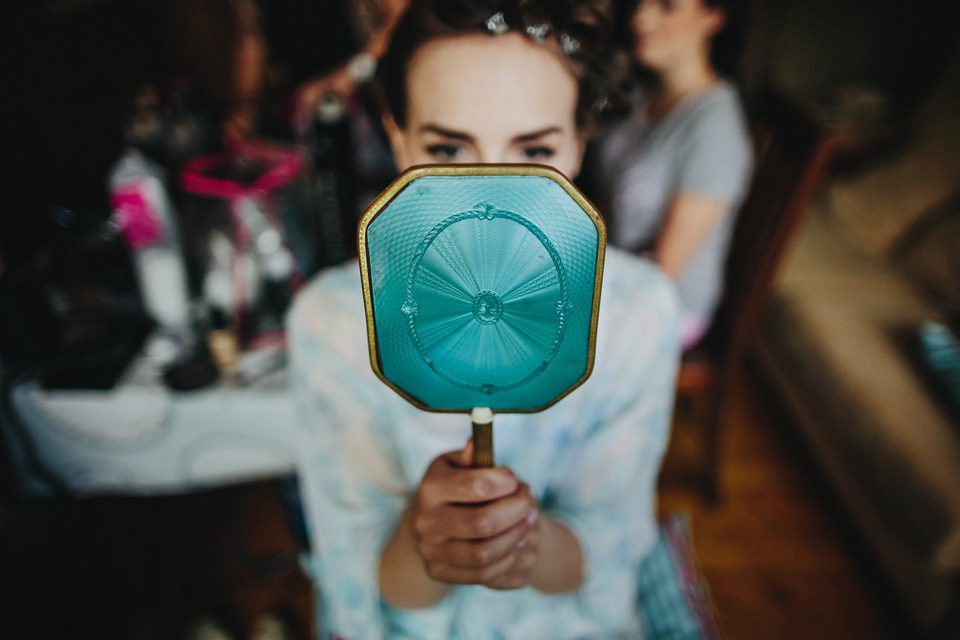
point(482, 286)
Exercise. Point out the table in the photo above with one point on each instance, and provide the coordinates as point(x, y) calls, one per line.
point(142, 438)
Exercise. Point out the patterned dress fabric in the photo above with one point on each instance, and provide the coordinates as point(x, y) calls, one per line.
point(592, 459)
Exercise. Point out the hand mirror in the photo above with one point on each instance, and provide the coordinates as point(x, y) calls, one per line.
point(481, 285)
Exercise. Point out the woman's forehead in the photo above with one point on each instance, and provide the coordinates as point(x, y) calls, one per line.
point(502, 77)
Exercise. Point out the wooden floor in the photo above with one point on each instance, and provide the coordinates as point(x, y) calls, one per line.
point(780, 565)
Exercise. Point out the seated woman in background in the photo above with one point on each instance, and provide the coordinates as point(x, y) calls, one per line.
point(671, 177)
point(409, 541)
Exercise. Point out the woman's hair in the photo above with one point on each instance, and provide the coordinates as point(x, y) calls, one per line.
point(584, 29)
point(726, 46)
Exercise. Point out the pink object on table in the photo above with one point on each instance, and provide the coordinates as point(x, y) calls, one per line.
point(137, 218)
point(245, 172)
point(283, 166)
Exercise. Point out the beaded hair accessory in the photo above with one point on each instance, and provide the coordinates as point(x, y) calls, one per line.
point(569, 45)
point(497, 25)
point(538, 31)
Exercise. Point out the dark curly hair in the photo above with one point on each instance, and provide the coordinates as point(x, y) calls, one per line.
point(600, 66)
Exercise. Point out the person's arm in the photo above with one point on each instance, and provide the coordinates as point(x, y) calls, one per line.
point(604, 489)
point(390, 11)
point(713, 168)
point(358, 69)
point(350, 473)
point(559, 568)
point(249, 57)
point(690, 219)
point(404, 581)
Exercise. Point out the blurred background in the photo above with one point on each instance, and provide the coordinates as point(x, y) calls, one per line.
point(840, 510)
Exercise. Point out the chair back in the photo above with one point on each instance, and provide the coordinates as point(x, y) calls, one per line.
point(792, 152)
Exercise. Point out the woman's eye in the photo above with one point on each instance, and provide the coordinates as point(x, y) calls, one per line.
point(444, 152)
point(538, 153)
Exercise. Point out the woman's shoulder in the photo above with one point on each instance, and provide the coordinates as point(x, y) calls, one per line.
point(725, 91)
point(721, 105)
point(716, 127)
point(627, 266)
point(630, 281)
point(721, 99)
point(639, 315)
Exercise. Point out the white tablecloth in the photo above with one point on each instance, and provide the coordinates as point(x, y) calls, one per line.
point(141, 437)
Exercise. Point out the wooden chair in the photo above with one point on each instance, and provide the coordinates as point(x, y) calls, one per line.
point(792, 152)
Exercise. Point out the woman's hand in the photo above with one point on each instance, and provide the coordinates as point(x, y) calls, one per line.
point(475, 526)
point(309, 93)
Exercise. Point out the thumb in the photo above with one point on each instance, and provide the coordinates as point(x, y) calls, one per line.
point(465, 455)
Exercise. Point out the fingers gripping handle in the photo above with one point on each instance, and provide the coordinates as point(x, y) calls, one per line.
point(482, 419)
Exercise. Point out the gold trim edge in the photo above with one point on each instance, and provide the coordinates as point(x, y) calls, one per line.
point(420, 171)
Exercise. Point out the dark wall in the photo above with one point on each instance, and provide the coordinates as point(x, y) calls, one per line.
point(74, 67)
point(816, 46)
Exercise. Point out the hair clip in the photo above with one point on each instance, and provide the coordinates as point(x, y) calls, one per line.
point(601, 102)
point(569, 45)
point(497, 24)
point(538, 31)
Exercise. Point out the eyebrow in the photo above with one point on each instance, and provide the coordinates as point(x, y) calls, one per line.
point(536, 135)
point(446, 133)
point(466, 137)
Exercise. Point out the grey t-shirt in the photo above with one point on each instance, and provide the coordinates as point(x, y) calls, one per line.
point(701, 146)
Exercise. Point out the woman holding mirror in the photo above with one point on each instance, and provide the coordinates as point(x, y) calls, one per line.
point(408, 539)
